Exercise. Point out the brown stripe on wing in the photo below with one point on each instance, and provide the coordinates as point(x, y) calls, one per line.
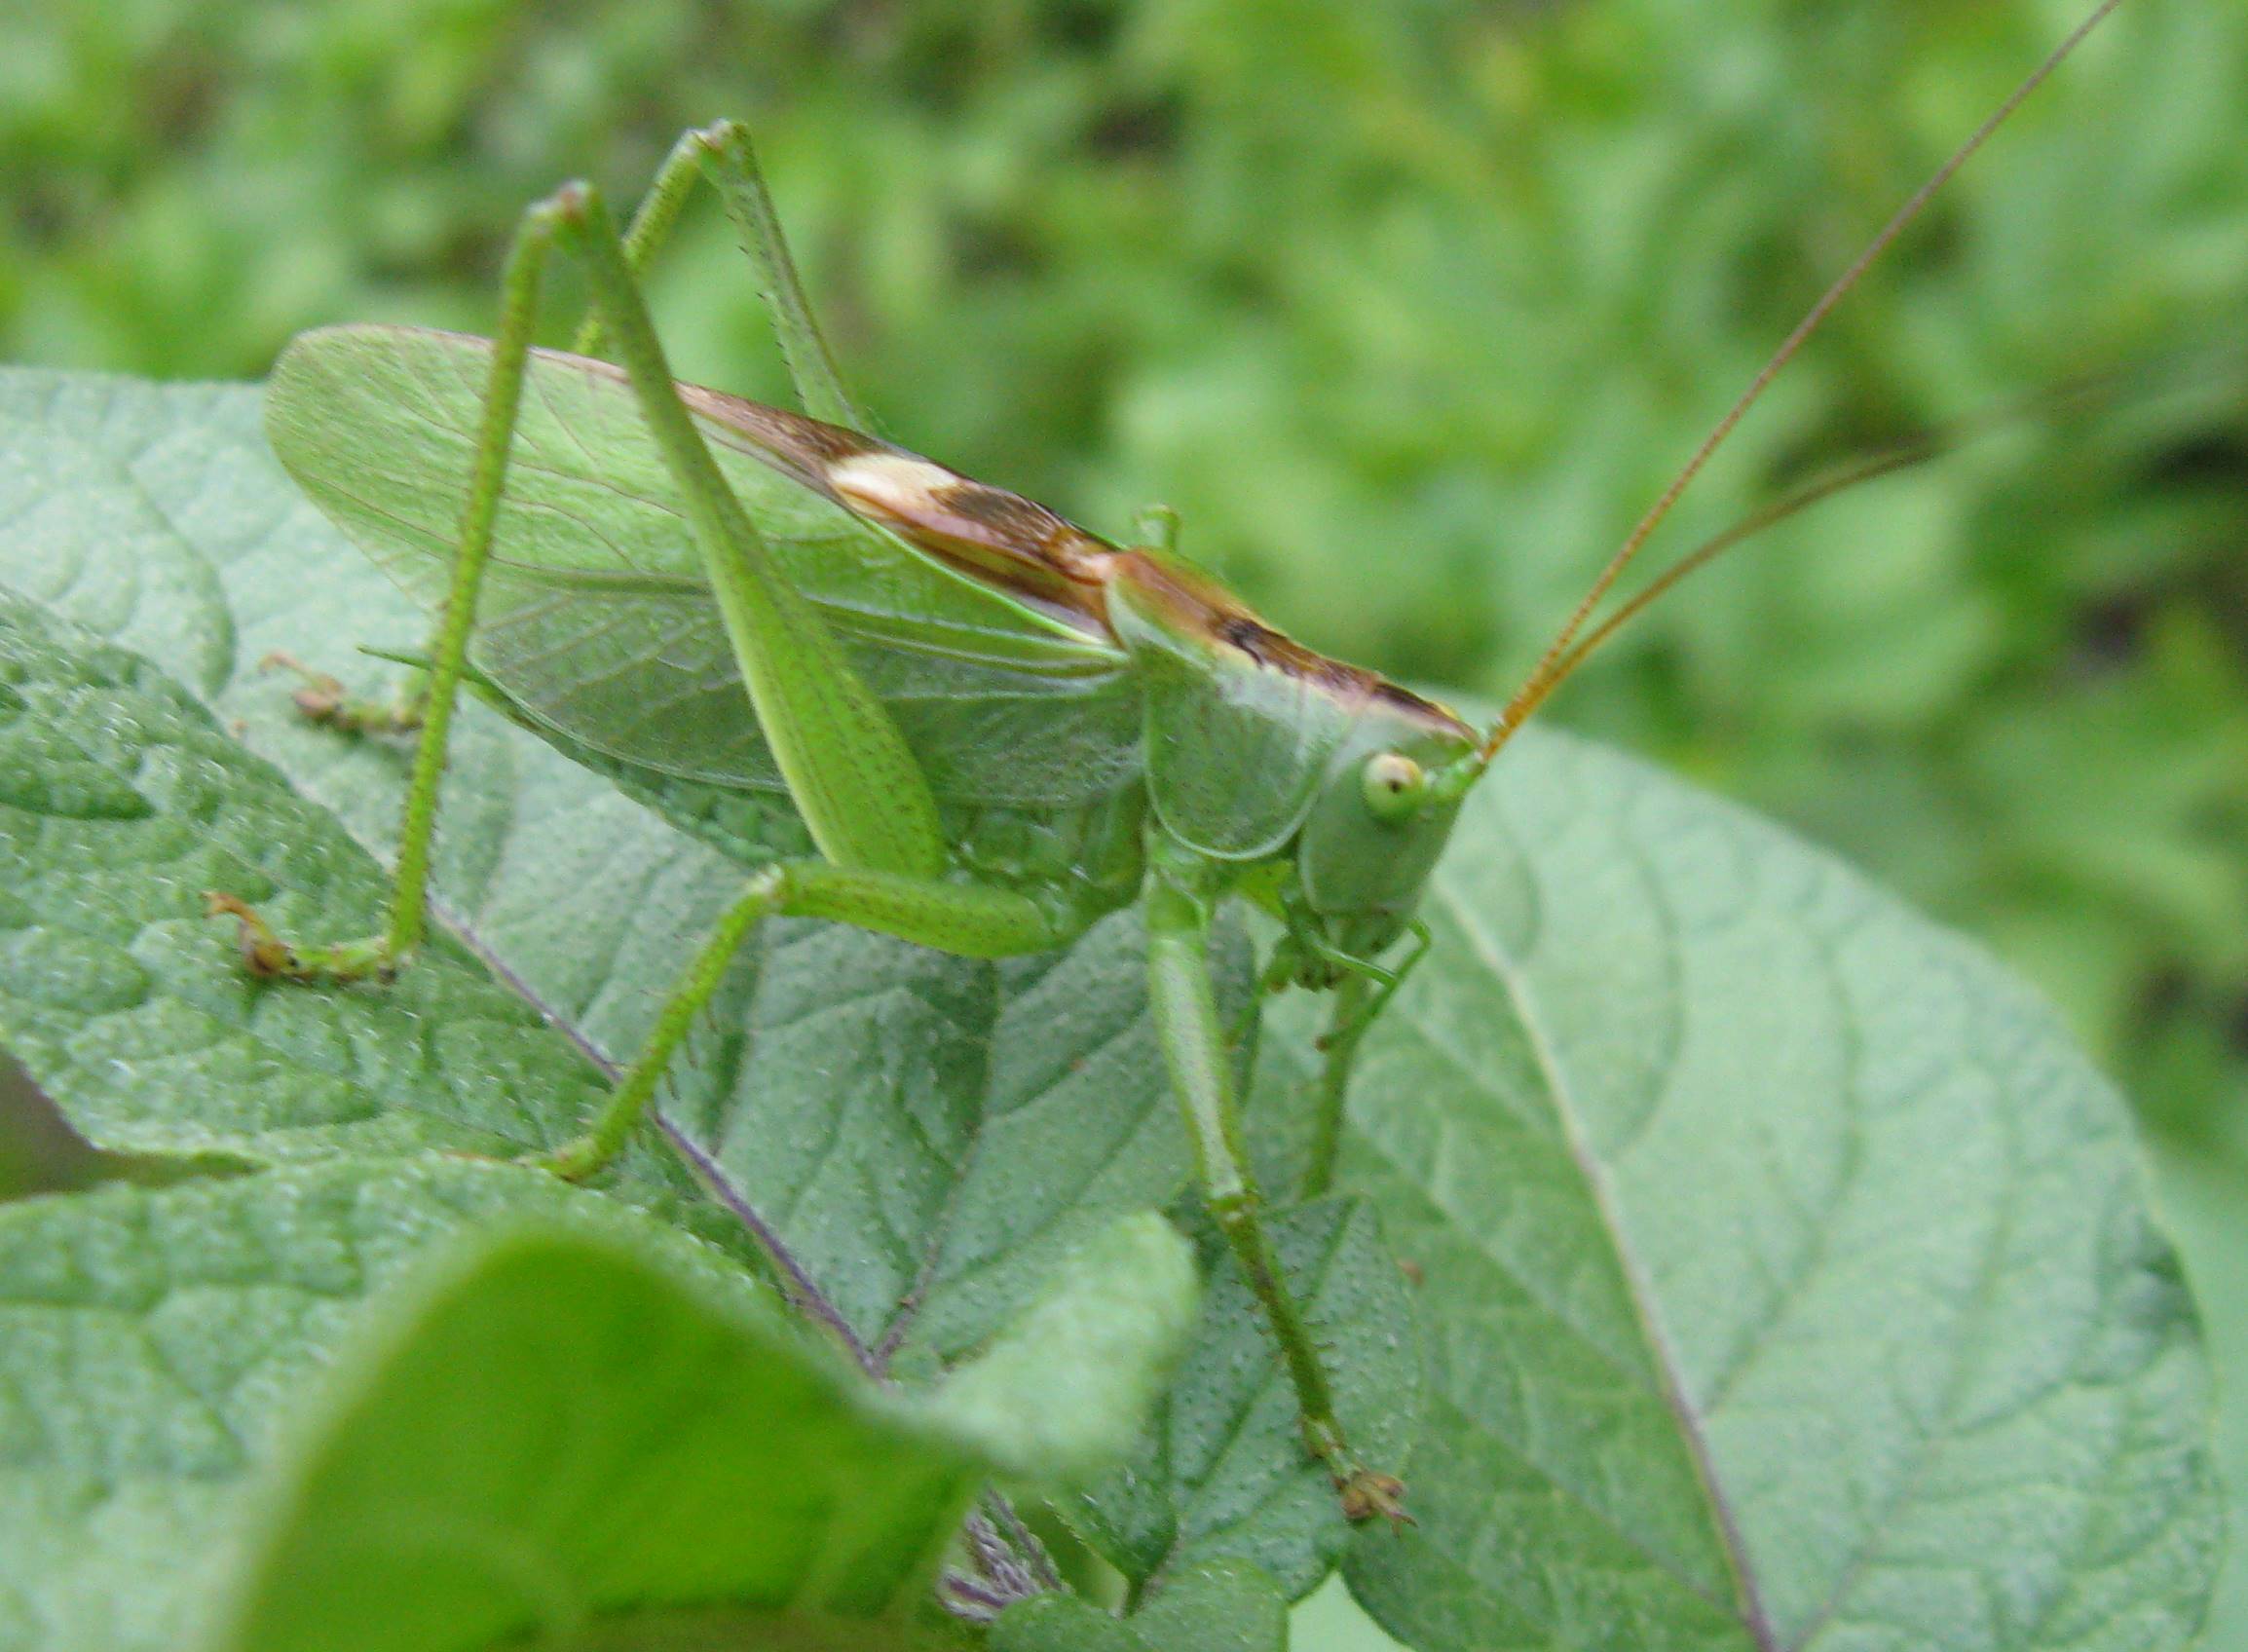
point(800, 449)
point(988, 533)
point(1200, 605)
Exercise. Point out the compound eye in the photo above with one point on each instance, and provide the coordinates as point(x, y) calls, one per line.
point(1393, 784)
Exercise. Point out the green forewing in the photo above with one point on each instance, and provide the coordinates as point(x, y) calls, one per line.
point(597, 618)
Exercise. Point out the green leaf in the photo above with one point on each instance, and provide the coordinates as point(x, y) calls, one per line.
point(1063, 1392)
point(2204, 1202)
point(121, 804)
point(586, 1428)
point(1219, 1606)
point(555, 1429)
point(928, 1133)
point(156, 517)
point(1222, 1474)
point(1787, 1276)
point(579, 1436)
point(150, 1345)
point(1329, 1620)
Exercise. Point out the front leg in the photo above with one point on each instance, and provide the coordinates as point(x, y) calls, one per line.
point(1182, 892)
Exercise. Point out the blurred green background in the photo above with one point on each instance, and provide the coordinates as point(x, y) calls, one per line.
point(1410, 307)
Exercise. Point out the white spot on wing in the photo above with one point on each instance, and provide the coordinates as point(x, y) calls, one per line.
point(895, 485)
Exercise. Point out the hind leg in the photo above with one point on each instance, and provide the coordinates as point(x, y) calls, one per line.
point(724, 155)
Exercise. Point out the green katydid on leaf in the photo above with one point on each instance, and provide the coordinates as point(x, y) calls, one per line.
point(643, 567)
point(995, 725)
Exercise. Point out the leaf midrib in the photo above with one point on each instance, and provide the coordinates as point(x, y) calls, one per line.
point(1662, 1355)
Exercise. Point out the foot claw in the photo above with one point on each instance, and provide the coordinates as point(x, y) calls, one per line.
point(1367, 1496)
point(263, 953)
point(266, 954)
point(572, 1161)
point(325, 700)
point(321, 700)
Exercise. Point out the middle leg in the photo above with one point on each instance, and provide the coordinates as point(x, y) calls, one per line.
point(1182, 889)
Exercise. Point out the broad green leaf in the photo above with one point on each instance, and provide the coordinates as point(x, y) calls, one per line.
point(121, 804)
point(1062, 1393)
point(1221, 1473)
point(152, 1341)
point(156, 517)
point(2204, 1200)
point(1219, 1606)
point(1329, 1620)
point(1787, 1279)
point(926, 1134)
point(555, 1429)
point(560, 1431)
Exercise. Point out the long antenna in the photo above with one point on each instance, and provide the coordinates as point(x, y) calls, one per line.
point(1559, 659)
point(1912, 450)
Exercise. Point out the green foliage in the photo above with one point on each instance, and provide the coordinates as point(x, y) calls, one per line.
point(140, 797)
point(149, 1338)
point(555, 1430)
point(569, 1414)
point(2204, 1200)
point(1224, 1606)
point(1781, 1274)
point(1059, 1394)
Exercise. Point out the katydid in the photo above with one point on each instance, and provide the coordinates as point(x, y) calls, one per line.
point(996, 726)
